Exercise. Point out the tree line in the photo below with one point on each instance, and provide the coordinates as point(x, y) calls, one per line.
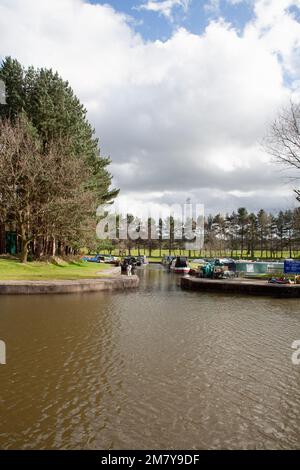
point(241, 234)
point(52, 176)
point(254, 235)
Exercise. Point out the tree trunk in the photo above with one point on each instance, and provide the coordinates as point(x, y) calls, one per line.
point(242, 244)
point(24, 242)
point(53, 246)
point(40, 247)
point(24, 250)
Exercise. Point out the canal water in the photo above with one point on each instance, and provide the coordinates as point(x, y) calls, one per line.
point(148, 369)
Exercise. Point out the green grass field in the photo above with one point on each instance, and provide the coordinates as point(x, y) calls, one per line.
point(13, 270)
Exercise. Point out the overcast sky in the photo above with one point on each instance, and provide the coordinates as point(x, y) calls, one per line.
point(181, 92)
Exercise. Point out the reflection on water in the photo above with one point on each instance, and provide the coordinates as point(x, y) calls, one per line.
point(154, 368)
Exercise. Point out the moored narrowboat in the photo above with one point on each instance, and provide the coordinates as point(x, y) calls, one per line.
point(180, 265)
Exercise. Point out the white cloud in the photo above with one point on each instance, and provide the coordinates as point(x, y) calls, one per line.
point(278, 30)
point(179, 118)
point(165, 7)
point(213, 6)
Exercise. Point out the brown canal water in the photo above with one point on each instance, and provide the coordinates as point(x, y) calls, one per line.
point(153, 368)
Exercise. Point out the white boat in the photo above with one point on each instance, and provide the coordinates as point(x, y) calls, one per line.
point(180, 265)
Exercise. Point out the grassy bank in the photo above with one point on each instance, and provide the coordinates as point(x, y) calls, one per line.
point(13, 270)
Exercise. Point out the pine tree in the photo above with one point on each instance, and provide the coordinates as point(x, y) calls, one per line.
point(56, 113)
point(12, 74)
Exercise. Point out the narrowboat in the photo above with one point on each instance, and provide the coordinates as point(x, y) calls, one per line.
point(180, 265)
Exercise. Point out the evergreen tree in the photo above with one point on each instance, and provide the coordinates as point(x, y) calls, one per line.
point(12, 74)
point(56, 113)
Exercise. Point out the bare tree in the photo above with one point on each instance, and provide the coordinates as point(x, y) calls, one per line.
point(43, 192)
point(283, 141)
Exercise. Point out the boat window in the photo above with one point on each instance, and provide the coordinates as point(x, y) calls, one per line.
point(181, 263)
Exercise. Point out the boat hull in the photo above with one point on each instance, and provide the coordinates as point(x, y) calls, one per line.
point(180, 270)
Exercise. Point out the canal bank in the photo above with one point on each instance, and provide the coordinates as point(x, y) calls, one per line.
point(241, 286)
point(115, 282)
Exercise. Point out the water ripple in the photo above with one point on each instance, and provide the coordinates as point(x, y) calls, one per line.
point(158, 368)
